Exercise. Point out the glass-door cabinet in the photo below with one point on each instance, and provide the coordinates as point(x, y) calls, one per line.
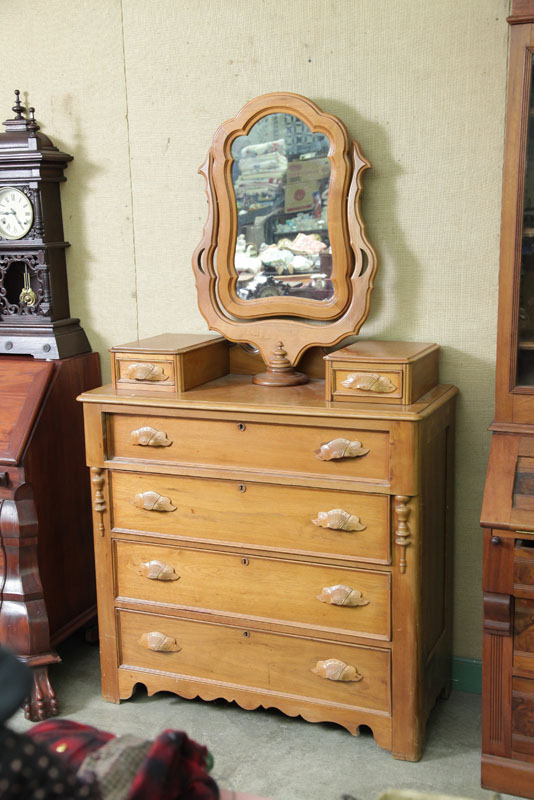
point(508, 506)
point(524, 374)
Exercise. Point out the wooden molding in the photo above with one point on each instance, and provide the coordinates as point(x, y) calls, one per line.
point(159, 642)
point(341, 595)
point(145, 371)
point(158, 571)
point(149, 437)
point(338, 520)
point(369, 382)
point(498, 613)
point(152, 501)
point(340, 448)
point(99, 502)
point(333, 669)
point(402, 531)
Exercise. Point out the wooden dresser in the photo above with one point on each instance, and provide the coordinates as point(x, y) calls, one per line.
point(273, 548)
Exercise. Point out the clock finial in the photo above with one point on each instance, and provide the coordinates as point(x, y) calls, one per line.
point(18, 108)
point(33, 127)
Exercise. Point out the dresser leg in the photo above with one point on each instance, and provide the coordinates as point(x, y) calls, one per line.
point(410, 745)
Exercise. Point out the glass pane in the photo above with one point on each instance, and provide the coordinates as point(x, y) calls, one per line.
point(525, 355)
point(281, 174)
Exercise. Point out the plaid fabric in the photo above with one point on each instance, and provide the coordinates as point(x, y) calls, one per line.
point(115, 765)
point(174, 769)
point(29, 771)
point(70, 741)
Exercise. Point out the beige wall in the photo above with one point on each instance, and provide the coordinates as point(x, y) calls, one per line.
point(135, 90)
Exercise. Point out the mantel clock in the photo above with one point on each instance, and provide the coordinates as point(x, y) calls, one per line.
point(34, 301)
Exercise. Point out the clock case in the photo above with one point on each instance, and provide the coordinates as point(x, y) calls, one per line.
point(31, 163)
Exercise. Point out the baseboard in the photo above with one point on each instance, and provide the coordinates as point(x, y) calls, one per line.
point(466, 675)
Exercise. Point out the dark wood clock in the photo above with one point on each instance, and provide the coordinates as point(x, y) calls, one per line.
point(34, 300)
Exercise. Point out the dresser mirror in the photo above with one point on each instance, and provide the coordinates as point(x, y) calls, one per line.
point(284, 263)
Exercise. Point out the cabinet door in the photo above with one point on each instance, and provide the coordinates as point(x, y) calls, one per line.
point(515, 352)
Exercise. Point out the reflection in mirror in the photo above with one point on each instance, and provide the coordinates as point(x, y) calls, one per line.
point(281, 175)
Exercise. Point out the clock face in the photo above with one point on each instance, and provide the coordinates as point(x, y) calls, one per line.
point(16, 213)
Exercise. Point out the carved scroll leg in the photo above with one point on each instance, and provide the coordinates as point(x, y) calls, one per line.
point(42, 702)
point(24, 624)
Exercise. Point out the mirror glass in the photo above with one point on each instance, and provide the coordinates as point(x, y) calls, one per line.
point(280, 176)
point(525, 355)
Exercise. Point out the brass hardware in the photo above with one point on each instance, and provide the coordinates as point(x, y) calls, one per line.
point(27, 295)
point(245, 562)
point(242, 487)
point(246, 634)
point(241, 426)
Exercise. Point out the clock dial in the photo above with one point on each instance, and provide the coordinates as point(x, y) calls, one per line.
point(16, 213)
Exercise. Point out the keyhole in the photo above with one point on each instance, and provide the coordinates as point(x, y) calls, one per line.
point(245, 562)
point(241, 426)
point(246, 634)
point(242, 487)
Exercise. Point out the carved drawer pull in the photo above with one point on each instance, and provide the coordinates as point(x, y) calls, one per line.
point(160, 642)
point(335, 670)
point(145, 372)
point(338, 520)
point(158, 571)
point(149, 437)
point(340, 448)
point(152, 501)
point(341, 595)
point(369, 382)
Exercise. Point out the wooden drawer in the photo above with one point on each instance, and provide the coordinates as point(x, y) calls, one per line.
point(353, 382)
point(524, 635)
point(384, 372)
point(252, 514)
point(239, 657)
point(266, 447)
point(271, 590)
point(523, 716)
point(168, 363)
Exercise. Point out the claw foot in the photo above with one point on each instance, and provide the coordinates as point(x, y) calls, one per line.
point(42, 702)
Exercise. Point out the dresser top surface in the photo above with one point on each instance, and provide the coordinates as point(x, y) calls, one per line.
point(238, 393)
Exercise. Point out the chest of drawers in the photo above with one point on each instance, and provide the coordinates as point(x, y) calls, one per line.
point(268, 547)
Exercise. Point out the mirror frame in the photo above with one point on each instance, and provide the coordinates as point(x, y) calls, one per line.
point(282, 328)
